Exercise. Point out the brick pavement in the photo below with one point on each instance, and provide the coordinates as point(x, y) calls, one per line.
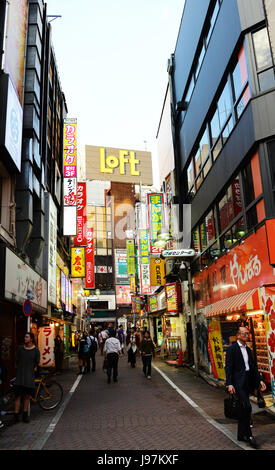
point(134, 414)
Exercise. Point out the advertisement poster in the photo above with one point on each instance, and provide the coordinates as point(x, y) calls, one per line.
point(216, 349)
point(172, 297)
point(123, 294)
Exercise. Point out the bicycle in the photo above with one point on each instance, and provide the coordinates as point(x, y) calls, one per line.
point(48, 393)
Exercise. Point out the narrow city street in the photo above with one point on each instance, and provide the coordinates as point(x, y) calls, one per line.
point(135, 414)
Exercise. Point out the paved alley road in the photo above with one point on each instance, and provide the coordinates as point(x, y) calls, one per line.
point(135, 413)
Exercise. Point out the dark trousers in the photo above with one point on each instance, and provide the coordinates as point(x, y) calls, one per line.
point(147, 364)
point(93, 361)
point(244, 429)
point(132, 357)
point(112, 363)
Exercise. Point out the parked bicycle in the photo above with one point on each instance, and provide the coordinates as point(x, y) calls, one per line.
point(48, 393)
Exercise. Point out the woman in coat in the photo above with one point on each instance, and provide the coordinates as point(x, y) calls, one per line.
point(132, 342)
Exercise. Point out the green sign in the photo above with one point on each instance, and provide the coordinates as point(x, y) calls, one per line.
point(131, 257)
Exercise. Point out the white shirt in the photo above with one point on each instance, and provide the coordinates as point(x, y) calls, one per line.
point(112, 345)
point(245, 355)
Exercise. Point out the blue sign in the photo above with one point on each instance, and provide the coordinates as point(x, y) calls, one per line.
point(27, 308)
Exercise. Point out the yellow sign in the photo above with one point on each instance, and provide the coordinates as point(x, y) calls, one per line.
point(157, 269)
point(110, 162)
point(133, 284)
point(78, 262)
point(215, 340)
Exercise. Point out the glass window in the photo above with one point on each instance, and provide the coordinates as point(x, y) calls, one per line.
point(198, 162)
point(215, 128)
point(190, 175)
point(238, 230)
point(207, 230)
point(266, 79)
point(212, 21)
point(224, 104)
point(248, 186)
point(236, 197)
point(204, 147)
point(252, 217)
point(262, 49)
point(223, 213)
point(227, 130)
point(243, 102)
point(190, 89)
point(271, 153)
point(200, 59)
point(217, 149)
point(206, 167)
point(240, 73)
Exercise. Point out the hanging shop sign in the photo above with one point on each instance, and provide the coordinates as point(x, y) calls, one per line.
point(46, 346)
point(133, 284)
point(153, 303)
point(172, 295)
point(135, 301)
point(70, 178)
point(78, 262)
point(81, 238)
point(22, 282)
point(180, 253)
point(157, 270)
point(245, 267)
point(121, 265)
point(144, 263)
point(90, 263)
point(215, 349)
point(131, 257)
point(156, 217)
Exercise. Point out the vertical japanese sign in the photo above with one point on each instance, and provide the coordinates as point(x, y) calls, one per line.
point(156, 217)
point(268, 302)
point(70, 178)
point(216, 349)
point(46, 346)
point(172, 297)
point(51, 243)
point(144, 263)
point(81, 238)
point(157, 268)
point(78, 262)
point(131, 257)
point(90, 265)
point(135, 300)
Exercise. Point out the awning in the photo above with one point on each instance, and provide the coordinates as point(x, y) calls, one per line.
point(249, 300)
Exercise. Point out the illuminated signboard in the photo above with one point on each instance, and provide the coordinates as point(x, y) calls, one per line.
point(144, 263)
point(78, 262)
point(70, 181)
point(156, 217)
point(81, 238)
point(90, 265)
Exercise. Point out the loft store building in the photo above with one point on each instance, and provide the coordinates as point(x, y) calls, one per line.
point(32, 112)
point(223, 89)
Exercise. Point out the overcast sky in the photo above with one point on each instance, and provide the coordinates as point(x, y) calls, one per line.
point(112, 60)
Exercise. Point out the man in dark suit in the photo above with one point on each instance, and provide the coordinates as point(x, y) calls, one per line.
point(242, 377)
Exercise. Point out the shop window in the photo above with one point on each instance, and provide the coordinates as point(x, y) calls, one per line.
point(248, 186)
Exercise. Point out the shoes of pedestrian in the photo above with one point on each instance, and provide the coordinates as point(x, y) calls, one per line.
point(1, 425)
point(148, 376)
point(108, 380)
point(25, 418)
point(250, 440)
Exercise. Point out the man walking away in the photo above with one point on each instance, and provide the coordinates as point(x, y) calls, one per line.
point(93, 349)
point(242, 377)
point(112, 350)
point(147, 349)
point(26, 359)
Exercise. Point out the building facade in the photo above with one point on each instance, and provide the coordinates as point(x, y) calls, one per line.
point(223, 87)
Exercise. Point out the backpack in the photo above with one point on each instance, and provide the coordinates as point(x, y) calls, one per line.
point(85, 348)
point(93, 347)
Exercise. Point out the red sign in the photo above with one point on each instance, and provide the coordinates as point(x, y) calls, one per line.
point(90, 265)
point(81, 238)
point(245, 267)
point(172, 297)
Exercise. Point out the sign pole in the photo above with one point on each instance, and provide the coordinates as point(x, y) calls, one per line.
point(193, 322)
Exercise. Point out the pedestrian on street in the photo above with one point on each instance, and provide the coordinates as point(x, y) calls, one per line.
point(3, 376)
point(242, 377)
point(93, 349)
point(84, 353)
point(102, 336)
point(112, 350)
point(121, 337)
point(147, 350)
point(132, 342)
point(58, 354)
point(27, 359)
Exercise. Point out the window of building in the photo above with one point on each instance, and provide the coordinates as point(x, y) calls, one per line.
point(212, 21)
point(199, 62)
point(190, 177)
point(248, 186)
point(207, 231)
point(263, 57)
point(271, 154)
point(240, 82)
point(230, 205)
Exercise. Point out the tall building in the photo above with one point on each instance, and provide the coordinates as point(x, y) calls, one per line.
point(223, 89)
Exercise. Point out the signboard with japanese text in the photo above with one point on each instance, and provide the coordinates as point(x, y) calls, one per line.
point(81, 238)
point(172, 294)
point(46, 346)
point(153, 303)
point(144, 263)
point(268, 302)
point(216, 349)
point(121, 266)
point(245, 267)
point(90, 264)
point(135, 304)
point(131, 257)
point(70, 178)
point(133, 284)
point(50, 245)
point(157, 268)
point(78, 262)
point(14, 126)
point(156, 217)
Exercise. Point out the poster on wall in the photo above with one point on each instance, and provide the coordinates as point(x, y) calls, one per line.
point(215, 346)
point(123, 294)
point(172, 294)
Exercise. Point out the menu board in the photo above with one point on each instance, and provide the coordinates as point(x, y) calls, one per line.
point(261, 346)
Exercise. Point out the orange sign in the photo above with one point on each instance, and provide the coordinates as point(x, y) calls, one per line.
point(245, 267)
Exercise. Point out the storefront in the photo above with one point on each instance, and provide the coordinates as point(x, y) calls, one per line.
point(238, 290)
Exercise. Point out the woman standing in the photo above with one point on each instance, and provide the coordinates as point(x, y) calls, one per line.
point(132, 342)
point(147, 349)
point(83, 353)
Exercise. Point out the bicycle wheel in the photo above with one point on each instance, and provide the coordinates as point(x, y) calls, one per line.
point(50, 395)
point(8, 402)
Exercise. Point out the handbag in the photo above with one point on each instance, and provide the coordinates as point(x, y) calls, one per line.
point(234, 408)
point(260, 399)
